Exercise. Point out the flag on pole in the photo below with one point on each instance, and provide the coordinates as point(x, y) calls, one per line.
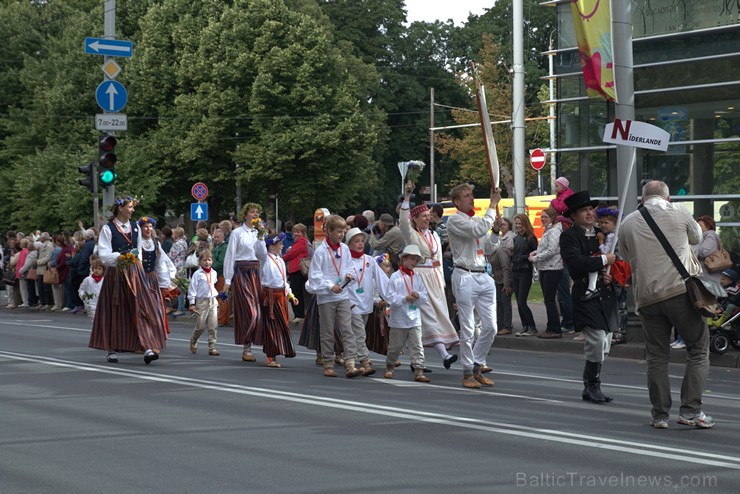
point(592, 20)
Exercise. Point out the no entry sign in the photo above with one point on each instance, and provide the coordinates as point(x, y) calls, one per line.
point(537, 159)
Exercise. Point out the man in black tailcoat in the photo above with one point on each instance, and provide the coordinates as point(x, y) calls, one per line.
point(596, 316)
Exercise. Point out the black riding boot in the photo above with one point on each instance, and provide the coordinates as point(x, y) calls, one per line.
point(592, 384)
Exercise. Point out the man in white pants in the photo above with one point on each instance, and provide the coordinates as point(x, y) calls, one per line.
point(472, 286)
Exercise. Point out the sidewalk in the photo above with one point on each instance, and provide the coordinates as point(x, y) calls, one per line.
point(633, 349)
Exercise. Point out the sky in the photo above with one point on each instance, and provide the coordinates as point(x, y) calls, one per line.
point(457, 10)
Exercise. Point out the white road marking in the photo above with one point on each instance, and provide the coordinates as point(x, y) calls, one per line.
point(496, 372)
point(643, 449)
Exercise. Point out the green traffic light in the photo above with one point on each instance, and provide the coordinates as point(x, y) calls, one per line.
point(107, 177)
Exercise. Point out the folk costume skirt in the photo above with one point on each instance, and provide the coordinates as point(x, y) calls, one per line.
point(246, 290)
point(129, 315)
point(436, 326)
point(275, 329)
point(376, 331)
point(153, 281)
point(311, 330)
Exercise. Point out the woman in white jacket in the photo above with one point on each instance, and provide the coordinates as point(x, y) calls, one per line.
point(549, 264)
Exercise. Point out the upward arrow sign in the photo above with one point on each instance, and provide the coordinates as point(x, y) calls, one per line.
point(111, 92)
point(199, 212)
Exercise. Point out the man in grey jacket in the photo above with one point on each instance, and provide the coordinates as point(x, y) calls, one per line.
point(662, 303)
point(46, 298)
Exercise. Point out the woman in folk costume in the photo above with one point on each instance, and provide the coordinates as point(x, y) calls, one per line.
point(129, 316)
point(436, 328)
point(158, 268)
point(244, 254)
point(275, 295)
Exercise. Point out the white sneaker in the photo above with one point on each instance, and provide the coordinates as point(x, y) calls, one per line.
point(66, 309)
point(679, 345)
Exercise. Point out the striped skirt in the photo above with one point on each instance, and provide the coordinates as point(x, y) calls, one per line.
point(275, 329)
point(376, 331)
point(129, 315)
point(245, 299)
point(153, 282)
point(311, 330)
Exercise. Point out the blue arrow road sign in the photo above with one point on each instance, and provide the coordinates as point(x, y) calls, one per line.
point(111, 96)
point(109, 47)
point(198, 211)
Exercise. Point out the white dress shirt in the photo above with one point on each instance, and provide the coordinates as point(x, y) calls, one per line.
point(468, 236)
point(243, 246)
point(405, 314)
point(105, 250)
point(369, 280)
point(328, 268)
point(274, 273)
point(202, 285)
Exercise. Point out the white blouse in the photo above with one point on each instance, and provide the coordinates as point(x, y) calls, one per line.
point(243, 246)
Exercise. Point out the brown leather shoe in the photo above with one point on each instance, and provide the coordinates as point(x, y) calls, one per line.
point(319, 360)
point(550, 335)
point(213, 352)
point(420, 377)
point(367, 369)
point(470, 382)
point(274, 364)
point(502, 332)
point(353, 371)
point(483, 380)
point(193, 346)
point(484, 369)
point(329, 372)
point(248, 357)
point(339, 360)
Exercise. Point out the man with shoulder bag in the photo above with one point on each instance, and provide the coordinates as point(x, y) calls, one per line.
point(661, 270)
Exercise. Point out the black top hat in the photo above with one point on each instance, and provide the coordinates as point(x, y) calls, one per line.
point(577, 201)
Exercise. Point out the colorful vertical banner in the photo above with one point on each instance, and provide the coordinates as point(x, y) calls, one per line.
point(592, 20)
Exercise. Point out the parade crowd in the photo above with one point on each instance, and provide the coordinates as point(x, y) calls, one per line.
point(421, 284)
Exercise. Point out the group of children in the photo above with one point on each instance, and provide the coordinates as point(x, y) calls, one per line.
point(345, 282)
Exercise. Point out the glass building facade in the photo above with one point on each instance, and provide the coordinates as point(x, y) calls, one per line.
point(686, 58)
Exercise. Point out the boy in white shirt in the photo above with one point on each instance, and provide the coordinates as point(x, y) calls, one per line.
point(330, 271)
point(202, 295)
point(369, 279)
point(90, 287)
point(405, 293)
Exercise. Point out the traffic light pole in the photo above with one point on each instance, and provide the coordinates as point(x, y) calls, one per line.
point(109, 7)
point(96, 205)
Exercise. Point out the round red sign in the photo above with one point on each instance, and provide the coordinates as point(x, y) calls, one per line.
point(537, 159)
point(199, 191)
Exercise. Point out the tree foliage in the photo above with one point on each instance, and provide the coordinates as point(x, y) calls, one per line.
point(312, 100)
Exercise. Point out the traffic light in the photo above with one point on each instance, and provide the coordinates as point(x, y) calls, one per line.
point(107, 159)
point(88, 171)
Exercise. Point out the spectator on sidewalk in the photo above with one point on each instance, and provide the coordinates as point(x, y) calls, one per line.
point(500, 260)
point(387, 238)
point(549, 265)
point(522, 270)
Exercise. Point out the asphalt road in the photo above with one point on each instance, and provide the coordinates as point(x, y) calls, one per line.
point(72, 423)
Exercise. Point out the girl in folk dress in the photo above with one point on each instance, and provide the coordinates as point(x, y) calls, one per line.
point(275, 295)
point(436, 327)
point(242, 262)
point(158, 268)
point(128, 317)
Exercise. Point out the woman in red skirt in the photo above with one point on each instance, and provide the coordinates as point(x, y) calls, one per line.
point(244, 254)
point(129, 315)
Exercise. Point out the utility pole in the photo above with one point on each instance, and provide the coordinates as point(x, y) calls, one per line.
point(433, 187)
point(109, 8)
point(624, 109)
point(518, 105)
point(551, 122)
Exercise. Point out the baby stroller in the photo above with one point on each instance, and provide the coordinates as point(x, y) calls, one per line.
point(728, 333)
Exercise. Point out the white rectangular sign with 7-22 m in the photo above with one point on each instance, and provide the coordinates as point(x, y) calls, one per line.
point(111, 121)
